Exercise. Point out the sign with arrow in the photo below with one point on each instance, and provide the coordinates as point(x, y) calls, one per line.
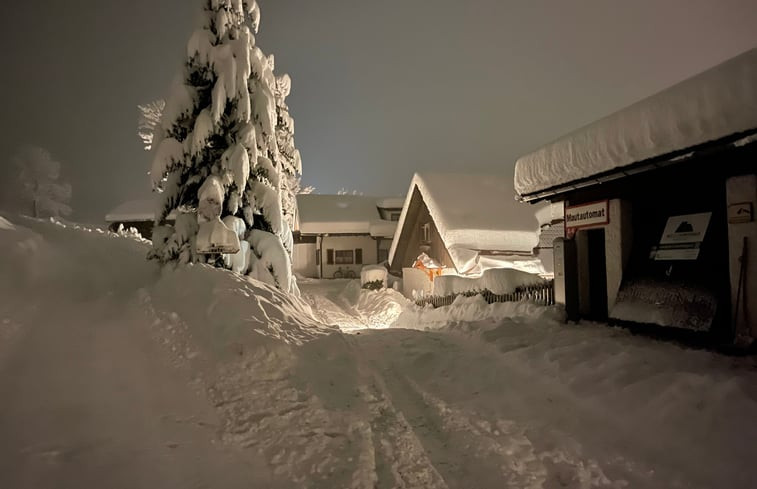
point(740, 212)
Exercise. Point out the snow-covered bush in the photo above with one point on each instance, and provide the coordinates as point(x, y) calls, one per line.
point(224, 152)
point(372, 274)
point(373, 285)
point(34, 186)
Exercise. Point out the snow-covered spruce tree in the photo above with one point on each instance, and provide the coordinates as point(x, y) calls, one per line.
point(35, 185)
point(215, 155)
point(290, 161)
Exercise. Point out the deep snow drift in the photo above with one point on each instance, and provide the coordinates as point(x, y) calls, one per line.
point(141, 371)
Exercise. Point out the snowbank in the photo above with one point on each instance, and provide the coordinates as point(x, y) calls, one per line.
point(472, 309)
point(498, 281)
point(717, 103)
point(6, 225)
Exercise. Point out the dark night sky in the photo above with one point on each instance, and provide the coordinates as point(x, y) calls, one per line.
point(380, 89)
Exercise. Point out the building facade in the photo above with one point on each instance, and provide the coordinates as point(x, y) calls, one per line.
point(659, 208)
point(336, 235)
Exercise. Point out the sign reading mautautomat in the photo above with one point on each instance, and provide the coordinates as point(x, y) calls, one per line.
point(592, 214)
point(682, 237)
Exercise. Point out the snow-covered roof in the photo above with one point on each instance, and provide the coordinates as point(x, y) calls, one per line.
point(391, 202)
point(382, 228)
point(341, 214)
point(473, 213)
point(717, 103)
point(135, 210)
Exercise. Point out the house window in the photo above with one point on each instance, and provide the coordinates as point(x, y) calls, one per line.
point(426, 232)
point(358, 256)
point(317, 257)
point(394, 216)
point(329, 257)
point(345, 257)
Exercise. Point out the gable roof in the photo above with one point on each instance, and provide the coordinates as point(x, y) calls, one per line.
point(341, 214)
point(713, 105)
point(472, 213)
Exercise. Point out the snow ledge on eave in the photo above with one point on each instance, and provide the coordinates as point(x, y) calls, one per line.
point(712, 105)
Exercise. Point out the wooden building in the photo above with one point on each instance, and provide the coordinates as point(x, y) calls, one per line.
point(466, 223)
point(659, 201)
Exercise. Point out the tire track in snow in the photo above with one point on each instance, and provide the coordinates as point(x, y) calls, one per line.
point(400, 459)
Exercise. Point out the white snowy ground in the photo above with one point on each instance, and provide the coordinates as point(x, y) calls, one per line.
point(113, 374)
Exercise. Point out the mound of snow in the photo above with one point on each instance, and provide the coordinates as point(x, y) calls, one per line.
point(6, 225)
point(498, 280)
point(469, 310)
point(224, 309)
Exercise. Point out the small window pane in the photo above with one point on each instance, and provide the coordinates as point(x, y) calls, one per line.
point(345, 257)
point(359, 256)
point(329, 257)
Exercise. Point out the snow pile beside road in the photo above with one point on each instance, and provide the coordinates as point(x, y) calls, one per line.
point(470, 310)
point(380, 308)
point(286, 384)
point(682, 408)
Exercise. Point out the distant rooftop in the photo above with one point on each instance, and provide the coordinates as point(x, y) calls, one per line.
point(133, 210)
point(343, 214)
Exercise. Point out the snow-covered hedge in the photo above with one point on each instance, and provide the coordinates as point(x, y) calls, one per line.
point(497, 280)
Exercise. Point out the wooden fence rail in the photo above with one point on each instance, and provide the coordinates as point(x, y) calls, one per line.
point(538, 294)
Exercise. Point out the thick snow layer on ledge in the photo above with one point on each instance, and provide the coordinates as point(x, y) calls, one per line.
point(339, 214)
point(712, 105)
point(473, 213)
point(383, 228)
point(498, 281)
point(550, 213)
point(391, 202)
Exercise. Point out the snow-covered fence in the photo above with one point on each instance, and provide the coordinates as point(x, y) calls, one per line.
point(543, 294)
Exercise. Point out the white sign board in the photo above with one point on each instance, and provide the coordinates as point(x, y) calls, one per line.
point(593, 214)
point(689, 228)
point(214, 237)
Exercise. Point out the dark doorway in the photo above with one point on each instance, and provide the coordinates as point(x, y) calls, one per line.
point(595, 240)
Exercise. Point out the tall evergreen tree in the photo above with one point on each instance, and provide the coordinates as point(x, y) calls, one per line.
point(215, 157)
point(291, 163)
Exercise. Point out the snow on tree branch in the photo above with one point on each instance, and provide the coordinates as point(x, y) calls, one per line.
point(149, 119)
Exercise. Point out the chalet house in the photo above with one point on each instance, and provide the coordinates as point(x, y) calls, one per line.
point(466, 223)
point(137, 214)
point(335, 235)
point(659, 207)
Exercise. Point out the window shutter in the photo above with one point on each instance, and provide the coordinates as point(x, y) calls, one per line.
point(359, 256)
point(330, 257)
